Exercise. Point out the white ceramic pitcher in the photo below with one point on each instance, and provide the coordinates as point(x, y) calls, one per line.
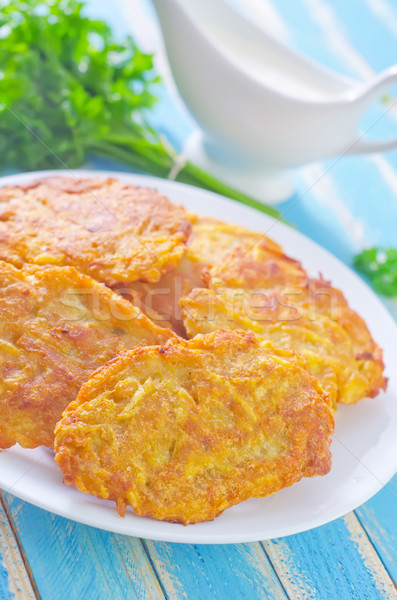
point(262, 107)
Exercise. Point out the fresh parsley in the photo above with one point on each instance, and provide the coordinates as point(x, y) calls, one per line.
point(380, 266)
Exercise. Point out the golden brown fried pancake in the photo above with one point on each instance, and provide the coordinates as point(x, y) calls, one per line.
point(255, 264)
point(211, 243)
point(312, 318)
point(184, 431)
point(56, 327)
point(107, 229)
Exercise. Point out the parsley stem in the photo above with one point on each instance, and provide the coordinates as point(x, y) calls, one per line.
point(156, 160)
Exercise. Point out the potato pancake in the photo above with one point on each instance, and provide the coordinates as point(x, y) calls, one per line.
point(184, 431)
point(56, 327)
point(108, 229)
point(313, 319)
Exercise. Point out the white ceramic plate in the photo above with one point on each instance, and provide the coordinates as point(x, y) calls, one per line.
point(364, 446)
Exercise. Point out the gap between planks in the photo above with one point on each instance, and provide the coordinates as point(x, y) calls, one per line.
point(21, 580)
point(146, 551)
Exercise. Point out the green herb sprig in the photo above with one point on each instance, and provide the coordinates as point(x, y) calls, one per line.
point(380, 266)
point(68, 89)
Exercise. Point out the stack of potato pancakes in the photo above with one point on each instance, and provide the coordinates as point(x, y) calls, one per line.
point(175, 363)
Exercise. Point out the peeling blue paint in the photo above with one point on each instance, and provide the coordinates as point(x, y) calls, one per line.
point(5, 593)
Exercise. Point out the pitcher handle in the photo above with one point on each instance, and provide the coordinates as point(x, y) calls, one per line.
point(369, 95)
point(363, 146)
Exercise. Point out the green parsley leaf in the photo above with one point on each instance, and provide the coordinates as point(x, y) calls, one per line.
point(380, 266)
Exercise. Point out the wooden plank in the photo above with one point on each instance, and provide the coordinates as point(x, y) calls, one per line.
point(336, 561)
point(70, 560)
point(14, 578)
point(379, 519)
point(197, 572)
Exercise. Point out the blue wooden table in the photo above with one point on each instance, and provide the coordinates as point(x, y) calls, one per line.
point(343, 205)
